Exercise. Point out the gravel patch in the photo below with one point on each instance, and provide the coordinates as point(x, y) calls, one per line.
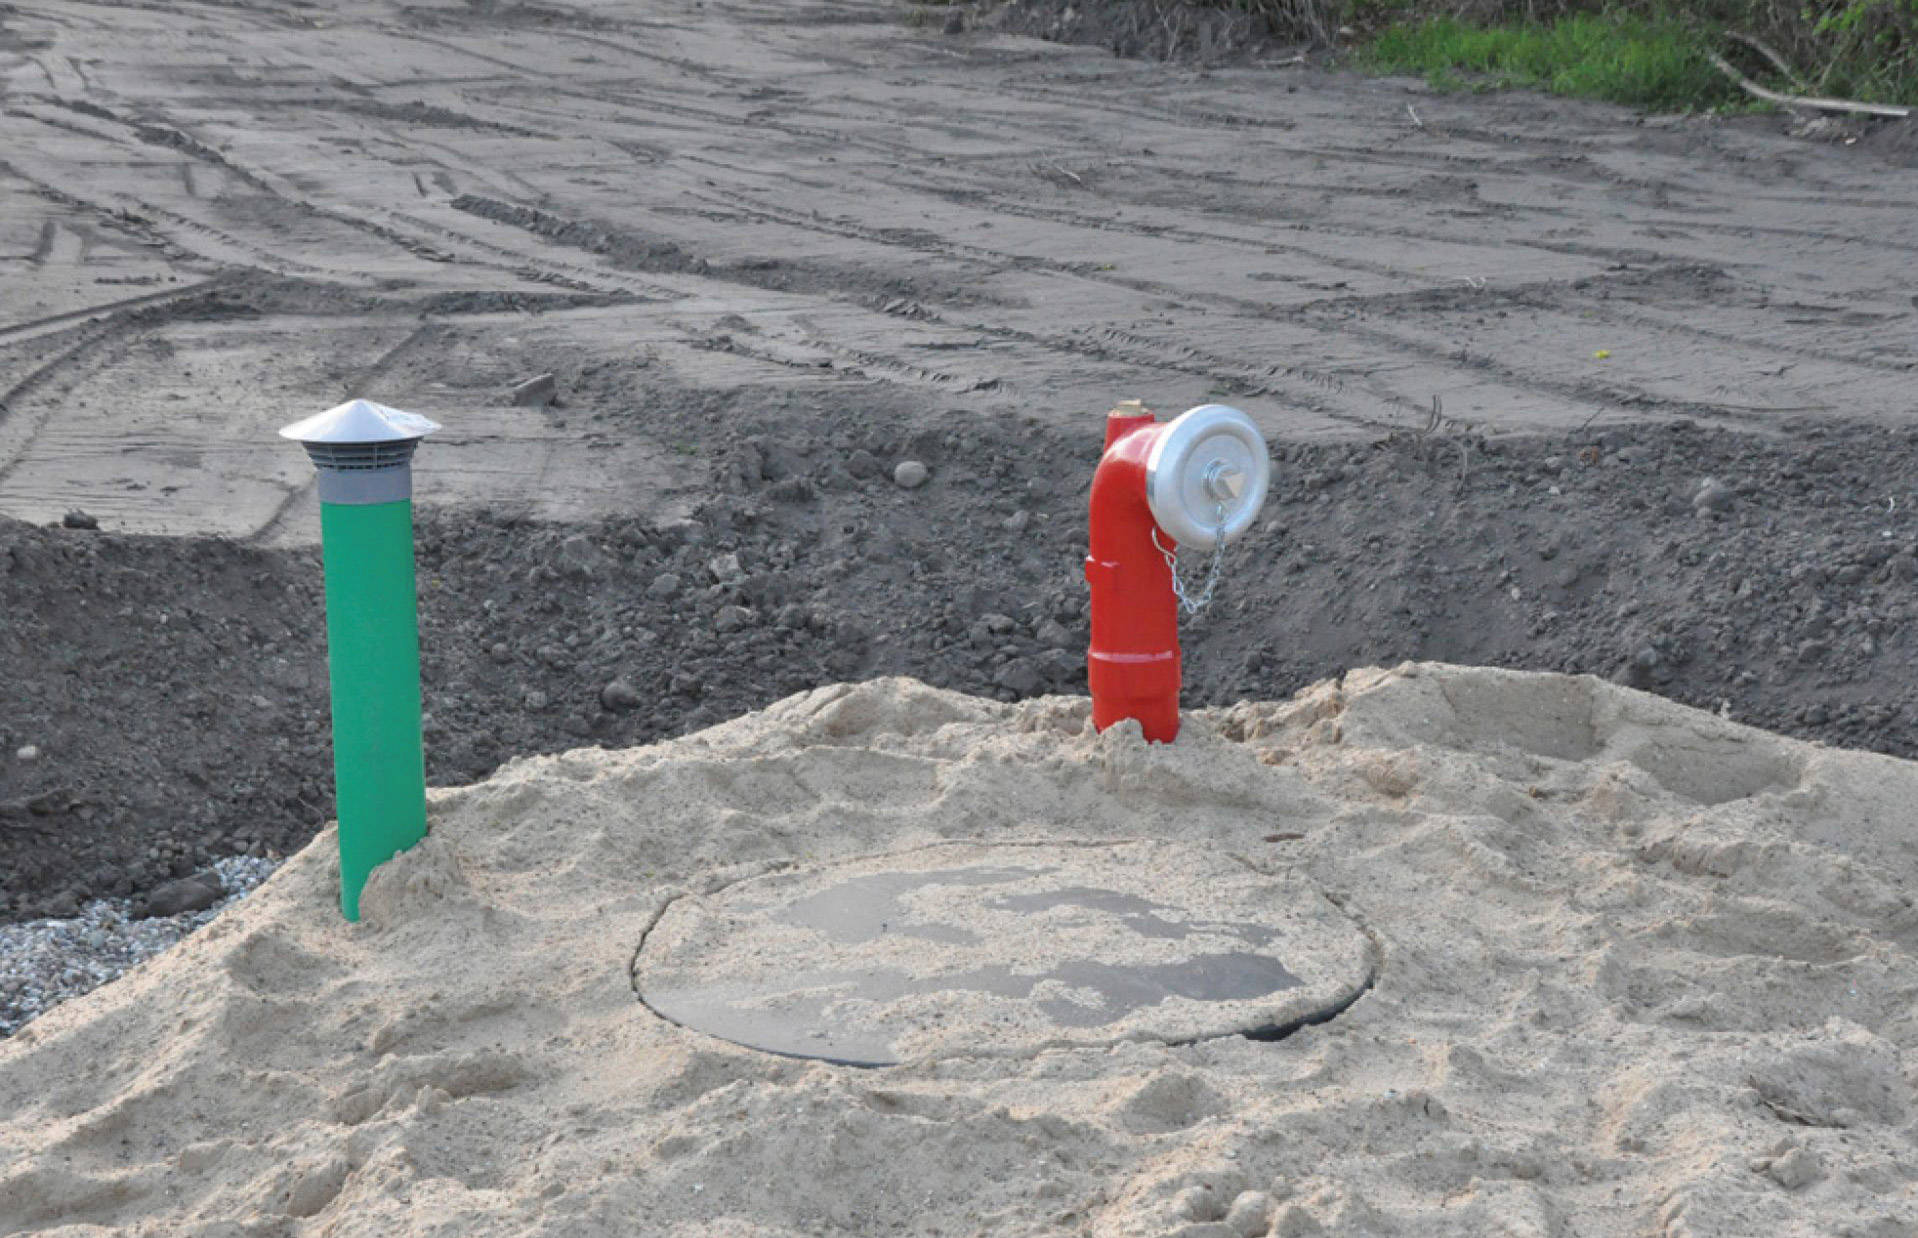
point(45, 962)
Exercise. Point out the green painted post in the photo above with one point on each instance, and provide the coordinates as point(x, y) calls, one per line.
point(363, 453)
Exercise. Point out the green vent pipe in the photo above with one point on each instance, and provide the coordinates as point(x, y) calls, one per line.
point(364, 456)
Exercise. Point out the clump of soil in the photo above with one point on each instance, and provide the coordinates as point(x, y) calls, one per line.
point(167, 705)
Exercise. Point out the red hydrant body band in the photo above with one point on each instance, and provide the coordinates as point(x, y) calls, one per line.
point(1133, 664)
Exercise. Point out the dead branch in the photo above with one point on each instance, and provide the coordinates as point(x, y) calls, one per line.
point(1778, 62)
point(1827, 105)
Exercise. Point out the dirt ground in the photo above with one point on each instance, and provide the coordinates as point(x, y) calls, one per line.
point(769, 252)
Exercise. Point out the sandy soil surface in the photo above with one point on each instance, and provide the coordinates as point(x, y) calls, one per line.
point(1641, 971)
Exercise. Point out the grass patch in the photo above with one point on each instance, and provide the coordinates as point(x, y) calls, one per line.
point(1623, 59)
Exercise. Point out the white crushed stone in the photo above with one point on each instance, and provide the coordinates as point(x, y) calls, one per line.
point(45, 962)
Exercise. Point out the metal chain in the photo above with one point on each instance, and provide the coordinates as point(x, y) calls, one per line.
point(1187, 603)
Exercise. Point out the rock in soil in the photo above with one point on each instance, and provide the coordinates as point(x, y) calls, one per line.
point(536, 392)
point(195, 893)
point(620, 695)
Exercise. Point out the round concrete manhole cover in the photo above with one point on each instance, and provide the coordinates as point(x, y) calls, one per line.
point(998, 949)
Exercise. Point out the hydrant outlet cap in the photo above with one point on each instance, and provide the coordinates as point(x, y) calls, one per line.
point(360, 421)
point(1206, 476)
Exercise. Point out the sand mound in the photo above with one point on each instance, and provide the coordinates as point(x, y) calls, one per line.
point(1640, 970)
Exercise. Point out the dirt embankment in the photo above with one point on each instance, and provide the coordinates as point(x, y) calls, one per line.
point(172, 691)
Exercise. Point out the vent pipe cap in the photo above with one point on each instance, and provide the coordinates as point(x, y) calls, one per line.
point(363, 451)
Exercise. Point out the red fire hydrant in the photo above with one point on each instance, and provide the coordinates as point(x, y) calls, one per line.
point(1199, 480)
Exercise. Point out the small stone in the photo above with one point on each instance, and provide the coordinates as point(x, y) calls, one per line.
point(955, 21)
point(195, 893)
point(664, 585)
point(1249, 1214)
point(1797, 1169)
point(1018, 521)
point(1636, 673)
point(792, 490)
point(77, 519)
point(1712, 495)
point(619, 696)
point(1198, 1203)
point(733, 618)
point(1018, 675)
point(863, 464)
point(910, 475)
point(725, 567)
point(578, 556)
point(535, 699)
point(536, 392)
point(27, 752)
point(52, 803)
point(1055, 635)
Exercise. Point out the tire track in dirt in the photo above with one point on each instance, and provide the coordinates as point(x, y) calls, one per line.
point(36, 326)
point(1301, 386)
point(1215, 366)
point(1190, 360)
point(1264, 247)
point(1285, 381)
point(912, 154)
point(1597, 298)
point(1448, 163)
point(571, 276)
point(171, 138)
point(19, 428)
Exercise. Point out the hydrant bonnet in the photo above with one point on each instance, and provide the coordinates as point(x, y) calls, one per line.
point(1206, 476)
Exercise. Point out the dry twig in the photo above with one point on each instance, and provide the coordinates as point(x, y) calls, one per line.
point(1778, 62)
point(1793, 101)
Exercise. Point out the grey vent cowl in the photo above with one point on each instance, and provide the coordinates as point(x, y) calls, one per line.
point(363, 451)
